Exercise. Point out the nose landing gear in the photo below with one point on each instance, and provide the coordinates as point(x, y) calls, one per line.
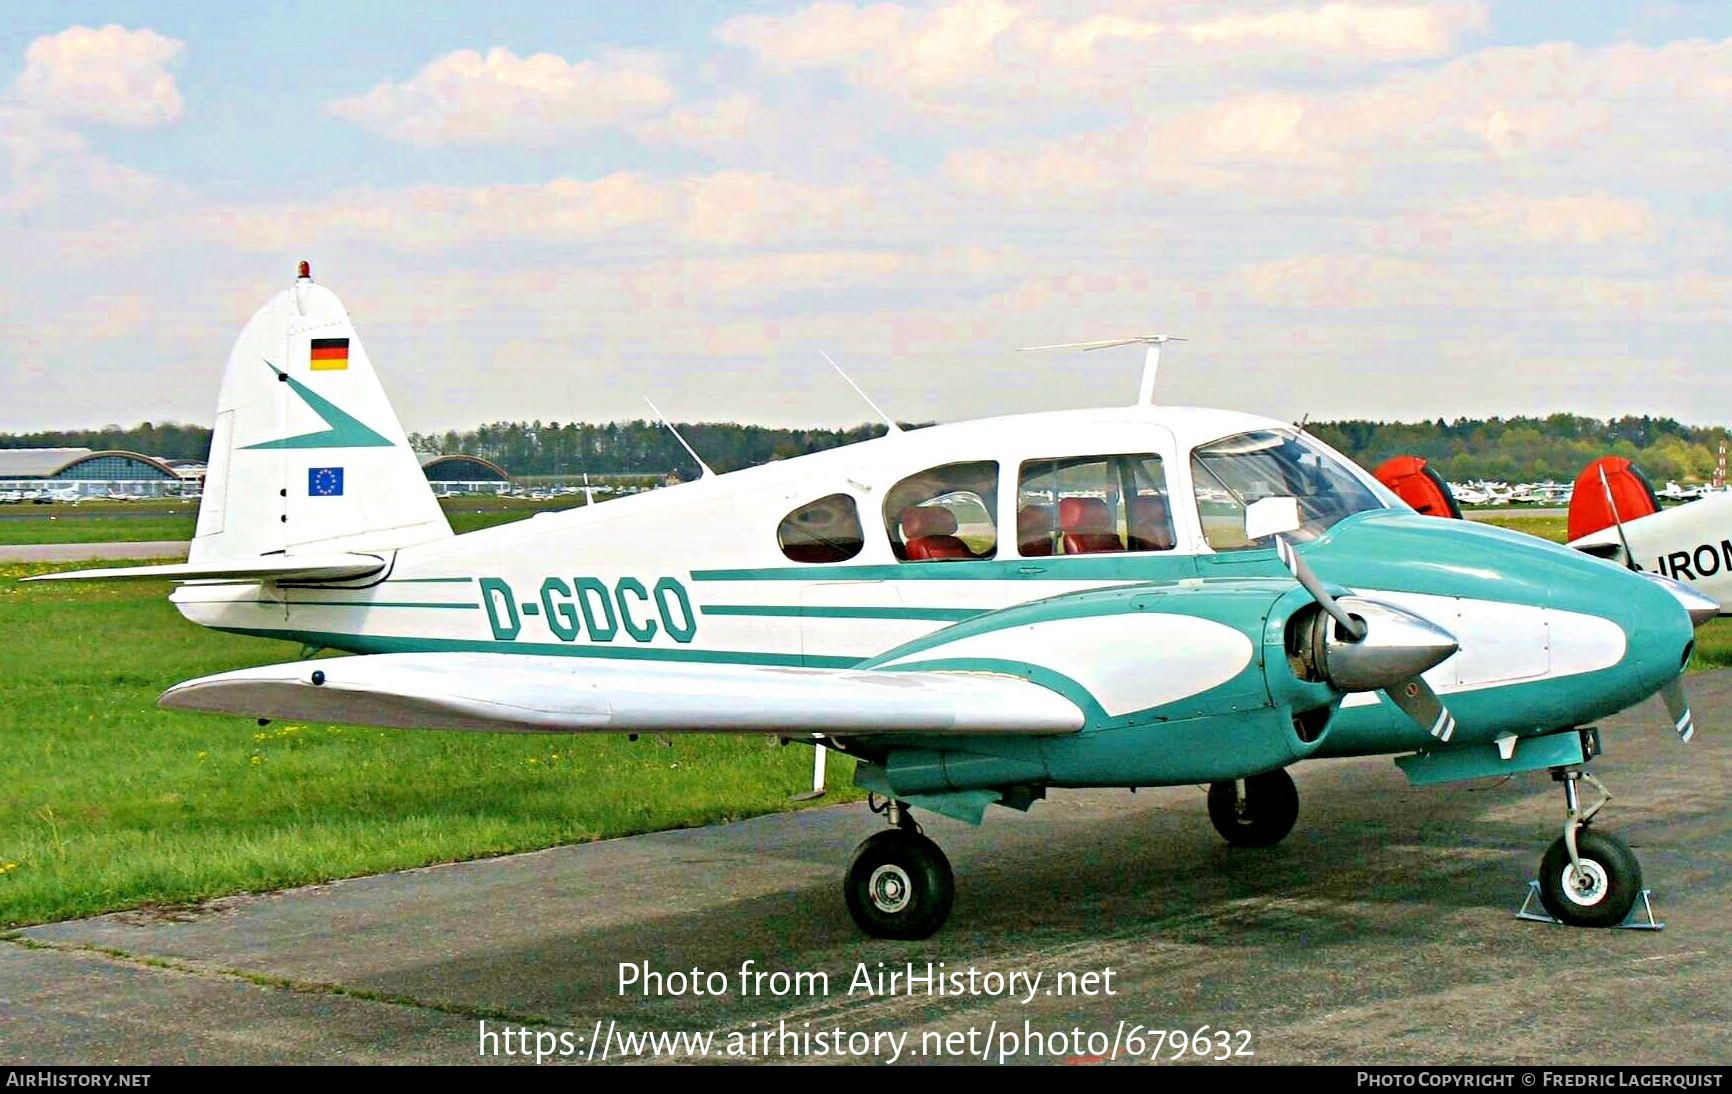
point(1587, 878)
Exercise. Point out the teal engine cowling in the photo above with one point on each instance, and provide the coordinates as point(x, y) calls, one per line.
point(1178, 682)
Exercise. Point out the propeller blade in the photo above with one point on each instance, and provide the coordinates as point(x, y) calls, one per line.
point(1303, 575)
point(1678, 706)
point(1419, 702)
point(1629, 556)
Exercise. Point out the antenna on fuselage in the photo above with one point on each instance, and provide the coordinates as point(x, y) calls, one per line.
point(1151, 360)
point(858, 390)
point(690, 451)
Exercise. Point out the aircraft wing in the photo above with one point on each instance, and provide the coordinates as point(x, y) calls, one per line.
point(504, 692)
point(327, 567)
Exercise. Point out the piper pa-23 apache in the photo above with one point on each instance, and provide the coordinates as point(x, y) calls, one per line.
point(1135, 596)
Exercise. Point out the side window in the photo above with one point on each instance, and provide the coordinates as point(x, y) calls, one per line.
point(1221, 511)
point(944, 513)
point(1235, 471)
point(826, 530)
point(1082, 505)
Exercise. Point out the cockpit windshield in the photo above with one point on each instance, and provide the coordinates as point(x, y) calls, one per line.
point(1231, 473)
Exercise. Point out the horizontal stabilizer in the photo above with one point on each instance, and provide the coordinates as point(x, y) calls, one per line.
point(527, 694)
point(329, 567)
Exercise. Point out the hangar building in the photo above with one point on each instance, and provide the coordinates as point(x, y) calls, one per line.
point(33, 472)
point(64, 473)
point(462, 474)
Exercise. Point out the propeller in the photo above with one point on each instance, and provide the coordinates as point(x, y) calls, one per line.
point(1301, 572)
point(1375, 646)
point(1678, 706)
point(1618, 522)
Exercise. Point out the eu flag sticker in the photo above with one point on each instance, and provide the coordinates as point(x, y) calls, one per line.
point(325, 482)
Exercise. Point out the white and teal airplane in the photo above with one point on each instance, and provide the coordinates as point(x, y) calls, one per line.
point(1135, 596)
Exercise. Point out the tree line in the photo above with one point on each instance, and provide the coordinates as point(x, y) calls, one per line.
point(1521, 449)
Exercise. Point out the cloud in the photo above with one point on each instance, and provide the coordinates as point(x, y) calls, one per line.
point(821, 35)
point(724, 210)
point(465, 97)
point(734, 120)
point(1501, 220)
point(1390, 32)
point(1553, 117)
point(434, 218)
point(733, 207)
point(1038, 54)
point(52, 173)
point(111, 76)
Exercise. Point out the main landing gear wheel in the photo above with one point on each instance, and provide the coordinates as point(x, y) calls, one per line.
point(1600, 893)
point(899, 885)
point(1255, 812)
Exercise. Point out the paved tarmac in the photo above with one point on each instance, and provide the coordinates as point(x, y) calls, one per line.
point(1381, 931)
point(71, 552)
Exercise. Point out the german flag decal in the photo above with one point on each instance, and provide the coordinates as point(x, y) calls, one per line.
point(330, 354)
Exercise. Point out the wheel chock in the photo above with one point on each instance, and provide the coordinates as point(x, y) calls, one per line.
point(1641, 917)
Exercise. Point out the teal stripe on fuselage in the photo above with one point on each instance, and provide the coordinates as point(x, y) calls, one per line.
point(381, 643)
point(940, 615)
point(1102, 567)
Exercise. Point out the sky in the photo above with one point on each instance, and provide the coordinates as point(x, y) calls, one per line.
point(1393, 210)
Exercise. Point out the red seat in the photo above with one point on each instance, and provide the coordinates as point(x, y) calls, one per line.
point(1035, 525)
point(1087, 524)
point(1150, 523)
point(929, 534)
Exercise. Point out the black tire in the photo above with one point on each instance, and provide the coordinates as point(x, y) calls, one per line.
point(1605, 896)
point(1263, 818)
point(899, 885)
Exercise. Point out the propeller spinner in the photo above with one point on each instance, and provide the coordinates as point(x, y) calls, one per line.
point(1373, 646)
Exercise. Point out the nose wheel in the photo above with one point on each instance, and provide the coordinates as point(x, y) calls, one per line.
point(899, 884)
point(1588, 878)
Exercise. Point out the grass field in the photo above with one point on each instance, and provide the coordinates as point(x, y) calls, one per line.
point(107, 802)
point(1546, 527)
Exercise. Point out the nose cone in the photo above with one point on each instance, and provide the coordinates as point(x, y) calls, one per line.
point(1699, 608)
point(1398, 645)
point(1575, 637)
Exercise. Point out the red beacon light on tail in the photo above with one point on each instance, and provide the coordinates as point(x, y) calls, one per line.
point(1591, 509)
point(305, 270)
point(1418, 485)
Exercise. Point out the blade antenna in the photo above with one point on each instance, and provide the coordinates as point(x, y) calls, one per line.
point(858, 390)
point(1629, 557)
point(1151, 360)
point(690, 451)
point(1151, 364)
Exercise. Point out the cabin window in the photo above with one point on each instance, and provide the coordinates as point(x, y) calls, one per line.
point(1085, 505)
point(945, 513)
point(1231, 473)
point(826, 530)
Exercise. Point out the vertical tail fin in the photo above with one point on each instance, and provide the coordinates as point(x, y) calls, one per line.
point(1591, 509)
point(1417, 484)
point(307, 455)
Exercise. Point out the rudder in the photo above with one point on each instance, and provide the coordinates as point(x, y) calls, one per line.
point(1590, 511)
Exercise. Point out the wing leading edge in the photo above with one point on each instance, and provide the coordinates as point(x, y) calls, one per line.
point(529, 694)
